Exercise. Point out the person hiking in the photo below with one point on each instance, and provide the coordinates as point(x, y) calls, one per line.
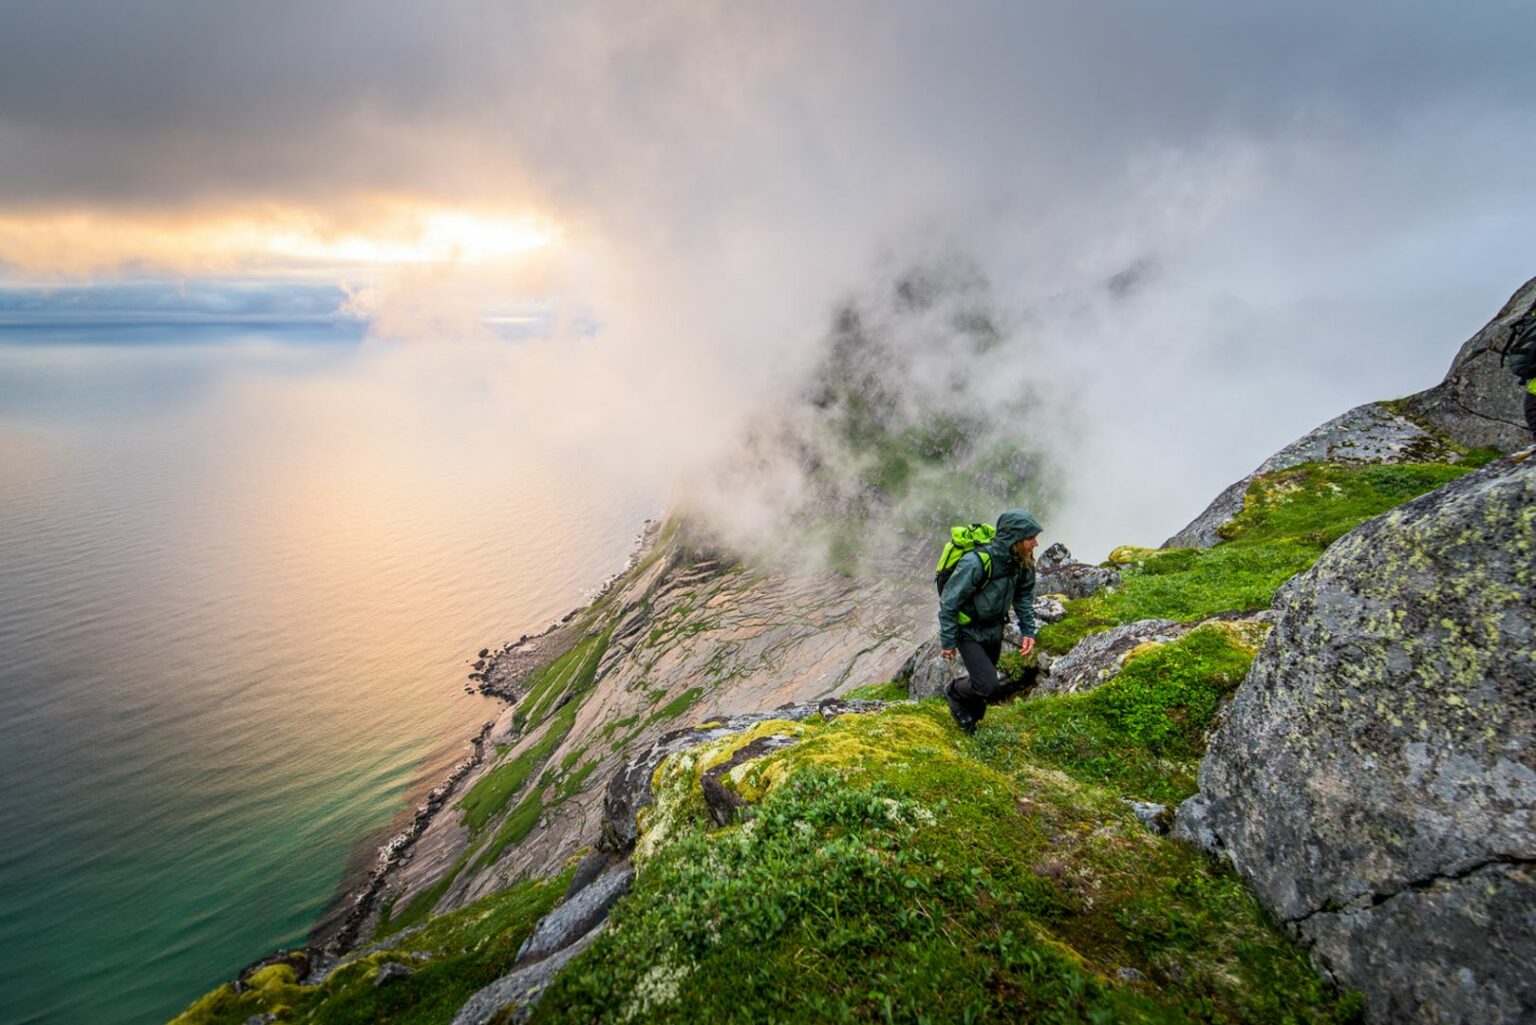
point(973, 608)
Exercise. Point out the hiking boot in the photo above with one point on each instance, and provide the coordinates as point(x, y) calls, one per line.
point(958, 711)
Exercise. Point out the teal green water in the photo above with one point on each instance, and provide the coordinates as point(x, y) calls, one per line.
point(240, 574)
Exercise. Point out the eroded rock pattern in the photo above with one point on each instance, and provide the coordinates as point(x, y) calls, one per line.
point(692, 635)
point(1375, 777)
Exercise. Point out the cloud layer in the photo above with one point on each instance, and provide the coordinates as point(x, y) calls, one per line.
point(1300, 206)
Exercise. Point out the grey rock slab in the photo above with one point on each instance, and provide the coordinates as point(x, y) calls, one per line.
point(1098, 658)
point(1076, 580)
point(1383, 748)
point(515, 994)
point(1480, 402)
point(1371, 433)
point(389, 971)
point(577, 914)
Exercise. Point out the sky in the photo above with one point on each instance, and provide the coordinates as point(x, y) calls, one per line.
point(1205, 227)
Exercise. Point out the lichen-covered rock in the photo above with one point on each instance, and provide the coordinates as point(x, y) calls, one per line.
point(629, 790)
point(1098, 658)
point(1375, 776)
point(1371, 433)
point(1049, 610)
point(1480, 402)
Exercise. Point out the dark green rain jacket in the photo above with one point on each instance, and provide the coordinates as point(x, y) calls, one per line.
point(1012, 583)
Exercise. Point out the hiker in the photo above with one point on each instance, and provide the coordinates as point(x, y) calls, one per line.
point(973, 609)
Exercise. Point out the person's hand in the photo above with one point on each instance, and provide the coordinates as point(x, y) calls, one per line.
point(949, 654)
point(1026, 645)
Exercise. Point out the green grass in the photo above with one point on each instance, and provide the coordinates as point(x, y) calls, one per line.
point(486, 799)
point(898, 871)
point(1143, 733)
point(518, 825)
point(1288, 519)
point(571, 673)
point(893, 690)
point(677, 706)
point(464, 950)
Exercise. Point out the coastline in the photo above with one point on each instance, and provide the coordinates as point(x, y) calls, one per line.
point(495, 673)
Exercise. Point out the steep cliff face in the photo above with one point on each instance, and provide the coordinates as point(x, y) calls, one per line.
point(685, 636)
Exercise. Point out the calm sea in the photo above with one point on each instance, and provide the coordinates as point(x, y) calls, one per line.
point(241, 569)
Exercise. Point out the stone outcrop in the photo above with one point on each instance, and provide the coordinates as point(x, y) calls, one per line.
point(629, 789)
point(1059, 573)
point(1371, 433)
point(1479, 402)
point(1375, 776)
point(1098, 658)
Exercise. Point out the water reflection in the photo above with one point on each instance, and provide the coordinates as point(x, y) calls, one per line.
point(239, 576)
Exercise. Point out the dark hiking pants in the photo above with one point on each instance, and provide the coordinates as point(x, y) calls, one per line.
point(1530, 413)
point(980, 683)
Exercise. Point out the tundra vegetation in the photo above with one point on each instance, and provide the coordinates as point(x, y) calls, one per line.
point(887, 867)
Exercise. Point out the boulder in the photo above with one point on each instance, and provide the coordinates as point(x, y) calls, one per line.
point(1374, 778)
point(1057, 572)
point(1053, 557)
point(1049, 610)
point(1077, 580)
point(1479, 402)
point(1098, 658)
point(1371, 433)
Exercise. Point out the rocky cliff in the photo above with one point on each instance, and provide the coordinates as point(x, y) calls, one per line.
point(673, 821)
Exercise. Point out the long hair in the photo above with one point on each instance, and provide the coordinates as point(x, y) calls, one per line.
point(1029, 557)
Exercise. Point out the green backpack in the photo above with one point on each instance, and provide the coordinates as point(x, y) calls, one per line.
point(962, 539)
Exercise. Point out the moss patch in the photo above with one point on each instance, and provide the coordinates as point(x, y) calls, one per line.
point(896, 870)
point(450, 959)
point(894, 690)
point(1288, 518)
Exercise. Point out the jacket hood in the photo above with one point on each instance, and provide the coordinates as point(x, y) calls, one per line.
point(1014, 526)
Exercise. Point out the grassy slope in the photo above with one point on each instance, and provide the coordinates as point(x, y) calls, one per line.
point(1287, 520)
point(897, 870)
point(451, 958)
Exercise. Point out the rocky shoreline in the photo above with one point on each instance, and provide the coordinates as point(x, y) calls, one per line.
point(496, 673)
